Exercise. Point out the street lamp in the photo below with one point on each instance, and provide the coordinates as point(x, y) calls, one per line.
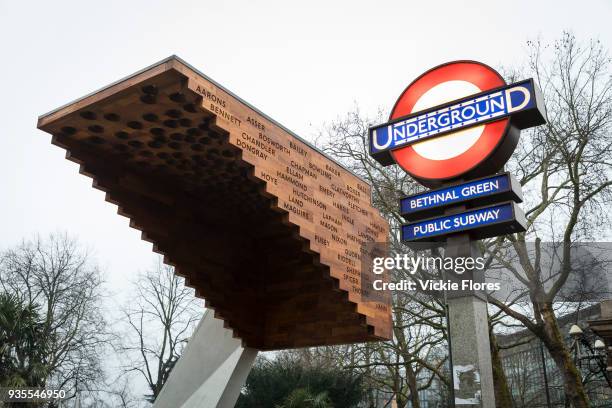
point(575, 330)
point(603, 328)
point(599, 345)
point(594, 356)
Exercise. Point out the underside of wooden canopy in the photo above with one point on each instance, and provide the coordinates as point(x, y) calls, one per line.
point(168, 147)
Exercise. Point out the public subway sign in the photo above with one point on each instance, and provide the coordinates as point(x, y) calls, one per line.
point(486, 190)
point(482, 222)
point(455, 122)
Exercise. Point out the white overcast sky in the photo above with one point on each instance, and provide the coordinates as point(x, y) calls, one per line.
point(303, 63)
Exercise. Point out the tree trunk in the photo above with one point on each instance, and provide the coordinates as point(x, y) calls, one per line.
point(412, 386)
point(572, 380)
point(397, 389)
point(503, 397)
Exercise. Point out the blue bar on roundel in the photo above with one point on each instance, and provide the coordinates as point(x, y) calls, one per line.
point(521, 101)
point(483, 222)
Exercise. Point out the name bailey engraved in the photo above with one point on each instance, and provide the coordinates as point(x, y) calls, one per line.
point(302, 198)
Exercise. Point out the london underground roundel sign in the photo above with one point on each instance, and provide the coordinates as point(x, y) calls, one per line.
point(456, 121)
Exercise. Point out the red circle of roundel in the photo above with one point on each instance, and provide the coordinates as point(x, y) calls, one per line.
point(420, 167)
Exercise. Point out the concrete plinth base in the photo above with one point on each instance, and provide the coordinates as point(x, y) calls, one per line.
point(211, 371)
point(471, 354)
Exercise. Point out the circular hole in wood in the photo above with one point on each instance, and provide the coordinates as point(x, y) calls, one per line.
point(171, 123)
point(185, 122)
point(146, 153)
point(174, 113)
point(68, 130)
point(136, 144)
point(177, 136)
point(197, 147)
point(154, 144)
point(178, 97)
point(134, 124)
point(161, 139)
point(174, 145)
point(190, 139)
point(89, 115)
point(112, 117)
point(122, 135)
point(163, 155)
point(149, 89)
point(158, 131)
point(194, 132)
point(120, 147)
point(96, 129)
point(190, 107)
point(150, 117)
point(204, 140)
point(96, 140)
point(148, 99)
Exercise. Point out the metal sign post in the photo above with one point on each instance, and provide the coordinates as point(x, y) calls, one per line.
point(455, 126)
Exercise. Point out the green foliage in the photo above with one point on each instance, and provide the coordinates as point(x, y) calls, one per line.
point(23, 344)
point(303, 398)
point(285, 383)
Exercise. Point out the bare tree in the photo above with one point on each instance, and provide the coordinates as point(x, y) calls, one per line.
point(410, 362)
point(118, 393)
point(56, 276)
point(160, 319)
point(565, 170)
point(413, 360)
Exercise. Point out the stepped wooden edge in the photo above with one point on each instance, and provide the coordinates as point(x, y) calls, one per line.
point(268, 301)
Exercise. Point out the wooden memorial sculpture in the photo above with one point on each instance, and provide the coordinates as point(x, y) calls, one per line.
point(265, 227)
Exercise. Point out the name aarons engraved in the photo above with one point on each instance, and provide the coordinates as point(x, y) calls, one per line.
point(218, 105)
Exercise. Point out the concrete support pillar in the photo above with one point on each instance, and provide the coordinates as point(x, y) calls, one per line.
point(469, 334)
point(211, 371)
point(471, 355)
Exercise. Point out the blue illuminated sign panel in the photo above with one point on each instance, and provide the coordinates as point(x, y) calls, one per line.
point(502, 186)
point(484, 222)
point(517, 99)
